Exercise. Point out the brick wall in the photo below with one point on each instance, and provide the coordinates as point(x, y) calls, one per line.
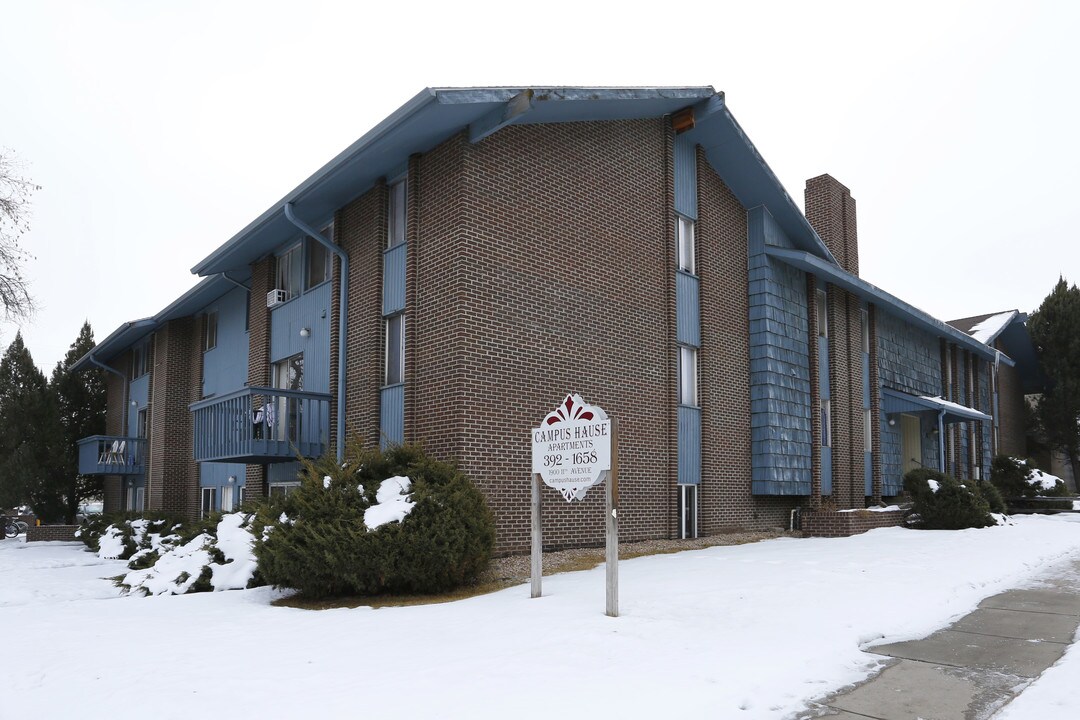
point(173, 477)
point(115, 408)
point(54, 533)
point(824, 523)
point(831, 212)
point(262, 282)
point(527, 288)
point(361, 231)
point(1012, 431)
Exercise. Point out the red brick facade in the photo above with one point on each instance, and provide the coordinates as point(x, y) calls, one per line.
point(841, 524)
point(172, 478)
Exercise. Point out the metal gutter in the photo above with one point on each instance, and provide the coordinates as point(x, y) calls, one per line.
point(343, 306)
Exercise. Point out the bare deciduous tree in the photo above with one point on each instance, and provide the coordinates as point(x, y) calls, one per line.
point(15, 192)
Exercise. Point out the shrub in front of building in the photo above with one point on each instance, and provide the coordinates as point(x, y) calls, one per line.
point(944, 503)
point(393, 521)
point(993, 497)
point(1021, 479)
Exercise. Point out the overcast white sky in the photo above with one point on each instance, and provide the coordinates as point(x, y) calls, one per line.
point(158, 130)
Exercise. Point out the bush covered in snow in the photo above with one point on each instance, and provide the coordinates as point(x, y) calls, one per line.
point(944, 503)
point(394, 521)
point(166, 556)
point(1017, 478)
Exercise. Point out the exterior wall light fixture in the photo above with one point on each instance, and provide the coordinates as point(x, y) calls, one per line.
point(305, 332)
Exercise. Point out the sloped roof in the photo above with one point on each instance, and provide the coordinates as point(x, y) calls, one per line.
point(436, 114)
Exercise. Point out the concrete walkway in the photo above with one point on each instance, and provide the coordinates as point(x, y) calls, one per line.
point(973, 668)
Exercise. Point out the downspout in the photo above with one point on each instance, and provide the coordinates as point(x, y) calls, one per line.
point(941, 438)
point(343, 306)
point(123, 377)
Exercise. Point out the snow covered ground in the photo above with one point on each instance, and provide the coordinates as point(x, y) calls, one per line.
point(751, 631)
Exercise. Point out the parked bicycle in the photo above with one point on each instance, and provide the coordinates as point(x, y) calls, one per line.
point(12, 527)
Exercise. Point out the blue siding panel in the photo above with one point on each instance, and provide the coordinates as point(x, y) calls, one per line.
point(392, 415)
point(312, 311)
point(687, 309)
point(225, 367)
point(686, 177)
point(138, 399)
point(394, 279)
point(868, 474)
point(689, 445)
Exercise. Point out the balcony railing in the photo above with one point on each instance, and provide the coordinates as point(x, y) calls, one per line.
point(112, 455)
point(261, 425)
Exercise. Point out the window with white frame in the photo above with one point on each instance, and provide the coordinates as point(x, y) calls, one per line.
point(290, 269)
point(826, 423)
point(319, 258)
point(395, 349)
point(868, 427)
point(688, 511)
point(240, 496)
point(140, 360)
point(395, 232)
point(209, 501)
point(210, 333)
point(822, 302)
point(864, 316)
point(283, 488)
point(688, 378)
point(684, 244)
point(227, 499)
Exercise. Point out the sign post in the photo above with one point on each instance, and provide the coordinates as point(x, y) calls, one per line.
point(572, 450)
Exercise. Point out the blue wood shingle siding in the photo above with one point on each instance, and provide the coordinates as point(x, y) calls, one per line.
point(392, 415)
point(687, 309)
point(780, 429)
point(310, 310)
point(685, 177)
point(394, 279)
point(689, 445)
point(868, 469)
point(225, 367)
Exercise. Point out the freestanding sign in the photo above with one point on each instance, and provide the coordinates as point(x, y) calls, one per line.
point(576, 447)
point(572, 447)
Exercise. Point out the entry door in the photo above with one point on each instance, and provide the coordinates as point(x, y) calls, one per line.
point(288, 375)
point(910, 443)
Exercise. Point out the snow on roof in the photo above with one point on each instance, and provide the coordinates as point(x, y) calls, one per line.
point(992, 326)
point(957, 408)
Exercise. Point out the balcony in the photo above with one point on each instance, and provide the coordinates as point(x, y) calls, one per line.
point(111, 455)
point(261, 425)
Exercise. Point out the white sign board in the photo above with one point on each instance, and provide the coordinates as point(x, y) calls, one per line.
point(571, 449)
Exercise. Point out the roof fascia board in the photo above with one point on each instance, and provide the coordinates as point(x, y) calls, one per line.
point(116, 341)
point(837, 276)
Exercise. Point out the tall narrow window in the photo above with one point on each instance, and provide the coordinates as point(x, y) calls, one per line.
point(395, 349)
point(226, 499)
point(290, 270)
point(826, 423)
point(396, 213)
point(684, 244)
point(821, 300)
point(868, 427)
point(318, 258)
point(209, 500)
point(210, 339)
point(688, 385)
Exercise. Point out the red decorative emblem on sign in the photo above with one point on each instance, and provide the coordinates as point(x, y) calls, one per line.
point(571, 450)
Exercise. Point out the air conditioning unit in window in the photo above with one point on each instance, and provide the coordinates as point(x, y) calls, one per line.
point(276, 297)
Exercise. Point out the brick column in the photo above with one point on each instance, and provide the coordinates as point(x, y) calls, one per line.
point(172, 480)
point(830, 209)
point(262, 282)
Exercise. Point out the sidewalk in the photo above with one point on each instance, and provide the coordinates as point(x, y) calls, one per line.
point(973, 668)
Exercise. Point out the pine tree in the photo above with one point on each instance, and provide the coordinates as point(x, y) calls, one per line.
point(80, 403)
point(31, 433)
point(1055, 330)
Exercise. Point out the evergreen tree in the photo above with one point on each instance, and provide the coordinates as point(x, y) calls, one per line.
point(1055, 330)
point(80, 403)
point(31, 432)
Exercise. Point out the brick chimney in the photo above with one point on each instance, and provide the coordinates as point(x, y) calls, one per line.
point(831, 212)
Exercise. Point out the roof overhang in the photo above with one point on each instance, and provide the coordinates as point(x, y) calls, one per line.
point(837, 276)
point(894, 401)
point(205, 292)
point(425, 121)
